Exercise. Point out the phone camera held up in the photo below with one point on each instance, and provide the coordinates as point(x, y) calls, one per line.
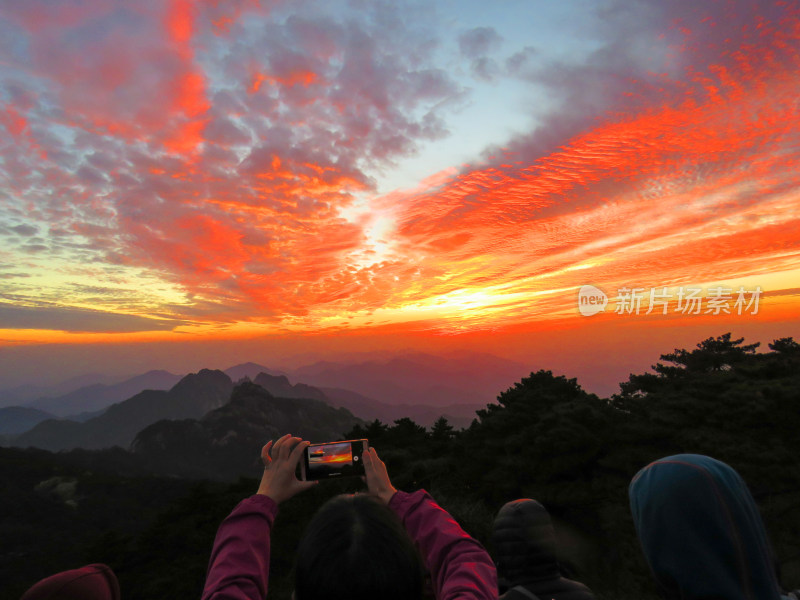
point(333, 460)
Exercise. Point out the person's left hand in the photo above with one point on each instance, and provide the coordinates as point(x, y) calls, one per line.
point(376, 476)
point(279, 481)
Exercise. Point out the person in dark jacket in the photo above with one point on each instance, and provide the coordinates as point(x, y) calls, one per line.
point(701, 531)
point(525, 548)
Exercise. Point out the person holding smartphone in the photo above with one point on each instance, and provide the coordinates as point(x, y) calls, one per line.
point(361, 546)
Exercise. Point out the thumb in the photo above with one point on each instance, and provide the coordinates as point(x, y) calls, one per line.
point(265, 457)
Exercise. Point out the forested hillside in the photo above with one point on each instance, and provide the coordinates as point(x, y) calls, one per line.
point(545, 438)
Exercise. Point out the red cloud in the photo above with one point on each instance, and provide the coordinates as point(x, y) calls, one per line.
point(115, 72)
point(14, 122)
point(207, 247)
point(180, 23)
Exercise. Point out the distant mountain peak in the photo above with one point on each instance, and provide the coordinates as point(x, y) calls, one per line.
point(226, 436)
point(98, 396)
point(191, 397)
point(246, 389)
point(250, 370)
point(280, 387)
point(278, 379)
point(203, 378)
point(155, 372)
point(419, 378)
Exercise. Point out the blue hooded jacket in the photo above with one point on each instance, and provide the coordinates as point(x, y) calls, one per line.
point(701, 531)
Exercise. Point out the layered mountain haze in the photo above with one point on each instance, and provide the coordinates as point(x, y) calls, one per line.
point(419, 379)
point(249, 370)
point(29, 392)
point(17, 419)
point(191, 397)
point(365, 407)
point(419, 386)
point(458, 415)
point(279, 386)
point(98, 396)
point(221, 444)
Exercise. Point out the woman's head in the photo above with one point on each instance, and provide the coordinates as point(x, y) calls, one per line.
point(356, 548)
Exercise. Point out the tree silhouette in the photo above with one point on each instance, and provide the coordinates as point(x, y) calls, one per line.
point(442, 431)
point(786, 346)
point(711, 355)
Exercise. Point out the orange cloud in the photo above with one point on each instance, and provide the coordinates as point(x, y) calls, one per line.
point(189, 88)
point(190, 94)
point(209, 247)
point(180, 23)
point(301, 77)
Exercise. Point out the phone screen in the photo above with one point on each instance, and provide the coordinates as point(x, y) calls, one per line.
point(334, 459)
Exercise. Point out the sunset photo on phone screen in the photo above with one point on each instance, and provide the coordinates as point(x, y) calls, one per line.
point(332, 453)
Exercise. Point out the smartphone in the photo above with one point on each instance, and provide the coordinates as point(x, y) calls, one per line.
point(333, 460)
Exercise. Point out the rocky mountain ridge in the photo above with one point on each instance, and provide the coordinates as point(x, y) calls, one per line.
point(192, 397)
point(223, 444)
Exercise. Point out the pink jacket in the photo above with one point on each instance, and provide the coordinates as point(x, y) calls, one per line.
point(92, 582)
point(460, 567)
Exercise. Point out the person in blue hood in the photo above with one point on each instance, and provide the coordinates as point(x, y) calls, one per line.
point(701, 531)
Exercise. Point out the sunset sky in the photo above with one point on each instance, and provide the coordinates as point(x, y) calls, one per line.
point(332, 453)
point(198, 183)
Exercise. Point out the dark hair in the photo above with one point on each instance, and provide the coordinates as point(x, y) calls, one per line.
point(356, 548)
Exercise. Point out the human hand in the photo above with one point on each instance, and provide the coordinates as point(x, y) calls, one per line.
point(280, 459)
point(377, 477)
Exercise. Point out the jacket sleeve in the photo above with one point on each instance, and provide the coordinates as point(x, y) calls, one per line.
point(460, 566)
point(239, 564)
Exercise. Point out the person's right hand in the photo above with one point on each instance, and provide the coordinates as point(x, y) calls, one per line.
point(280, 462)
point(377, 477)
